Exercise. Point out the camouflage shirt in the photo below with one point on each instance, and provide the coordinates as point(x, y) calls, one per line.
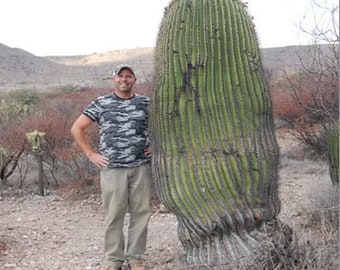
point(122, 128)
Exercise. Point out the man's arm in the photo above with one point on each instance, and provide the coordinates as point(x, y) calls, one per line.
point(78, 132)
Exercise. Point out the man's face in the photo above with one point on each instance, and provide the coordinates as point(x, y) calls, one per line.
point(124, 81)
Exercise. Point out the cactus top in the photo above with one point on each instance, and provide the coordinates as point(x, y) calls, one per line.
point(122, 128)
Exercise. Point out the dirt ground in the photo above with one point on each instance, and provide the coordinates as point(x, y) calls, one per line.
point(51, 232)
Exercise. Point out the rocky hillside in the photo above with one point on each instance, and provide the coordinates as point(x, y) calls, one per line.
point(20, 69)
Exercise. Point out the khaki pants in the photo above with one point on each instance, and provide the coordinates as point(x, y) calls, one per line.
point(126, 190)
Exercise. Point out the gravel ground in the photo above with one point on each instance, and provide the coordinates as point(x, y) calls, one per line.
point(43, 233)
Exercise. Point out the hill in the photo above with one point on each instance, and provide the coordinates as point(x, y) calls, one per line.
point(20, 69)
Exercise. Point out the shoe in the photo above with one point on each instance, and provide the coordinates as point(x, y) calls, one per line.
point(136, 266)
point(114, 268)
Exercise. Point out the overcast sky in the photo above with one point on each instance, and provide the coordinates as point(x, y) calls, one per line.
point(72, 27)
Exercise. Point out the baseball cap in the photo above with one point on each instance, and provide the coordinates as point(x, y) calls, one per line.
point(123, 66)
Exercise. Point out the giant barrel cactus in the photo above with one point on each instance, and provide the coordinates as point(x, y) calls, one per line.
point(216, 157)
point(333, 157)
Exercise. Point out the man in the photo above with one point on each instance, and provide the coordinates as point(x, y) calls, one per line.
point(123, 158)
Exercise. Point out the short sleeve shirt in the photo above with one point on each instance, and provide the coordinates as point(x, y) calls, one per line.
point(122, 128)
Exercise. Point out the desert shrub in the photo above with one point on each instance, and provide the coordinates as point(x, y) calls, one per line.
point(58, 111)
point(285, 108)
point(17, 104)
point(314, 88)
point(319, 247)
point(12, 145)
point(312, 132)
point(53, 114)
point(309, 107)
point(315, 140)
point(27, 97)
point(317, 95)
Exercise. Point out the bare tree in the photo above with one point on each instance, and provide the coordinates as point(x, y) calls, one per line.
point(315, 87)
point(325, 28)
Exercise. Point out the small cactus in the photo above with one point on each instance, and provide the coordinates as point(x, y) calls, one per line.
point(34, 139)
point(333, 157)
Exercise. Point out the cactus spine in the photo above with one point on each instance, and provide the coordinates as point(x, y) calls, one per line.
point(215, 155)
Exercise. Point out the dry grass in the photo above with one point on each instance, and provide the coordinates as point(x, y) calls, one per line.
point(320, 237)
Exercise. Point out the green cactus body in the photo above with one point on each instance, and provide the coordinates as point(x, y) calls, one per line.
point(216, 157)
point(333, 157)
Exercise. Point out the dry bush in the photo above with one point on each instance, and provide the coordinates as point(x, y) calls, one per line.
point(12, 146)
point(316, 227)
point(79, 189)
point(54, 115)
point(318, 235)
point(308, 98)
point(285, 108)
point(319, 245)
